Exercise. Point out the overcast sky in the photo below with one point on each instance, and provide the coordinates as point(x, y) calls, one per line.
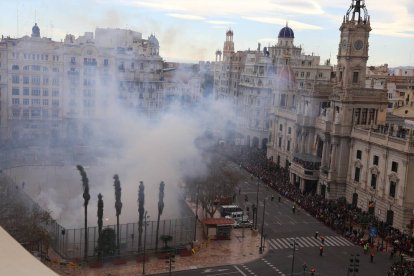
point(192, 30)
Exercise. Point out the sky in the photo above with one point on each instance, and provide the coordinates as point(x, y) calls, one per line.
point(192, 30)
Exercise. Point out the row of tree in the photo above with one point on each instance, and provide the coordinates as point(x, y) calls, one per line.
point(106, 233)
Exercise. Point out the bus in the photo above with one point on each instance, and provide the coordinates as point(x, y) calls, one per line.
point(226, 210)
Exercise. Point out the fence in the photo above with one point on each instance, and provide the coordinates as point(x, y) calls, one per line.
point(69, 243)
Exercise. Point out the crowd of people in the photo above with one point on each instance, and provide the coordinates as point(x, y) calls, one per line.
point(346, 219)
point(401, 268)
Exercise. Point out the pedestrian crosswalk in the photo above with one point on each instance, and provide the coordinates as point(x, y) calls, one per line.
point(283, 243)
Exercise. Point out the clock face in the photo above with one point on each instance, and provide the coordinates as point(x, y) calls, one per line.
point(359, 44)
point(344, 43)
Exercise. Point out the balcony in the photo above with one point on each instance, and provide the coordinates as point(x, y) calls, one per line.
point(307, 161)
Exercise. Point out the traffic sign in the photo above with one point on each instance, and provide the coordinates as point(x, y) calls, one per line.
point(373, 231)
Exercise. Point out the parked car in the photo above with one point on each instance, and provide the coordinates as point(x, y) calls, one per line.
point(243, 224)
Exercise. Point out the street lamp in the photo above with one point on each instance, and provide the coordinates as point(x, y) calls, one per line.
point(196, 214)
point(257, 203)
point(293, 257)
point(145, 240)
point(261, 237)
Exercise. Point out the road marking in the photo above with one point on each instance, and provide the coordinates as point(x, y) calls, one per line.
point(284, 243)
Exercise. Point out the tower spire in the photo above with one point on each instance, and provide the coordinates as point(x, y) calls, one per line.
point(357, 7)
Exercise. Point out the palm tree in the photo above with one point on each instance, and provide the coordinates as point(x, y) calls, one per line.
point(100, 215)
point(118, 207)
point(86, 198)
point(141, 199)
point(160, 209)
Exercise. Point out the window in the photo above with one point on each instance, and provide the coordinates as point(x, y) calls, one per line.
point(26, 80)
point(45, 113)
point(359, 154)
point(373, 181)
point(55, 81)
point(35, 101)
point(394, 166)
point(393, 187)
point(280, 142)
point(376, 160)
point(280, 127)
point(55, 103)
point(288, 145)
point(36, 112)
point(36, 80)
point(15, 101)
point(289, 130)
point(16, 113)
point(45, 80)
point(307, 74)
point(26, 101)
point(15, 79)
point(55, 93)
point(302, 74)
point(355, 77)
point(35, 92)
point(45, 102)
point(357, 173)
point(45, 92)
point(26, 113)
point(106, 62)
point(15, 91)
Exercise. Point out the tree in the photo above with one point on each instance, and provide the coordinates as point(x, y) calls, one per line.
point(141, 210)
point(160, 209)
point(86, 198)
point(118, 207)
point(219, 181)
point(108, 242)
point(100, 215)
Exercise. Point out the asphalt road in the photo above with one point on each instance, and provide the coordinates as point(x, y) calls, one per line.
point(281, 227)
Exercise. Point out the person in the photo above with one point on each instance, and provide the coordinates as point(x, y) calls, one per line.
point(316, 234)
point(313, 270)
point(320, 250)
point(366, 248)
point(239, 190)
point(246, 198)
point(322, 239)
point(272, 198)
point(372, 257)
point(293, 208)
point(280, 199)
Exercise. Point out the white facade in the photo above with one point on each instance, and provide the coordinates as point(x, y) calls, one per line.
point(334, 137)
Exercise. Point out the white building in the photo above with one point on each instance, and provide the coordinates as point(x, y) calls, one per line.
point(334, 137)
point(52, 89)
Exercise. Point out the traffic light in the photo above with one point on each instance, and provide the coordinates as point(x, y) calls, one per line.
point(354, 264)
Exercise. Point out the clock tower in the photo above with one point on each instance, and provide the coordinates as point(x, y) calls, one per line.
point(353, 46)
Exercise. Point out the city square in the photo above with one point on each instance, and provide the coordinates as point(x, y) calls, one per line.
point(117, 159)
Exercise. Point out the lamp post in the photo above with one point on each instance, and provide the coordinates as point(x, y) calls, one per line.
point(261, 237)
point(145, 240)
point(257, 203)
point(293, 257)
point(196, 214)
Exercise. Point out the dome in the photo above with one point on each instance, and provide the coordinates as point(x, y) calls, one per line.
point(286, 32)
point(153, 41)
point(35, 31)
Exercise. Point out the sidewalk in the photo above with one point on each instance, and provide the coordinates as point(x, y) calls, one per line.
point(237, 250)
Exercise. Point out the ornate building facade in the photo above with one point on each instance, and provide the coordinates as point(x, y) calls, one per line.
point(54, 89)
point(334, 138)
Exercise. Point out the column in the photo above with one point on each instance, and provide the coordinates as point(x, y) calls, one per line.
point(324, 154)
point(333, 156)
